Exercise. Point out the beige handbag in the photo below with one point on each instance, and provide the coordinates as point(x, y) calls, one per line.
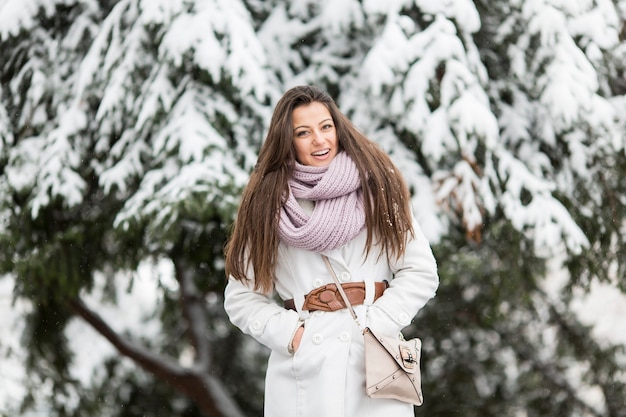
point(392, 366)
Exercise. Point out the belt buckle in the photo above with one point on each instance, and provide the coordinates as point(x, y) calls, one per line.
point(328, 294)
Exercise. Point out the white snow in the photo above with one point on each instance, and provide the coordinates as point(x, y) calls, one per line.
point(18, 14)
point(462, 11)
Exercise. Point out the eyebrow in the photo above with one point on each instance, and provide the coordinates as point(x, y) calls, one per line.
point(325, 120)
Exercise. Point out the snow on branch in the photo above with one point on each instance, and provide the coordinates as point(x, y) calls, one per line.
point(528, 202)
point(463, 12)
point(221, 38)
point(21, 15)
point(190, 158)
point(58, 177)
point(560, 71)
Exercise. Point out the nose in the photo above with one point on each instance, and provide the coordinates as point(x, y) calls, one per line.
point(317, 137)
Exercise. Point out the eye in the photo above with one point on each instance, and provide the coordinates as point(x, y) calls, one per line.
point(327, 126)
point(302, 133)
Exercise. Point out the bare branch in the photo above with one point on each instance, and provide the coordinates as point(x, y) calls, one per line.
point(197, 383)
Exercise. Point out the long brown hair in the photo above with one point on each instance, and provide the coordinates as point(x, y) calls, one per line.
point(254, 240)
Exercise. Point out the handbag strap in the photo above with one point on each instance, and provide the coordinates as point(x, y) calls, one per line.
point(342, 292)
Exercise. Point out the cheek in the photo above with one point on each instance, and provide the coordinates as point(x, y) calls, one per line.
point(300, 150)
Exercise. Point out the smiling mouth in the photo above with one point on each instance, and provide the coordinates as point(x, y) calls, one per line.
point(321, 153)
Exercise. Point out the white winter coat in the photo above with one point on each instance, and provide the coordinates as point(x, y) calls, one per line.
point(325, 376)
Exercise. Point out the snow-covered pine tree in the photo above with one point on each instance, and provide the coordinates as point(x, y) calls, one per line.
point(128, 129)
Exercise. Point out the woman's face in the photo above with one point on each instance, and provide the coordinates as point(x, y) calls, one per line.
point(314, 135)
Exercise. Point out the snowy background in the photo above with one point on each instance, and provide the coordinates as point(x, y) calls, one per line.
point(128, 128)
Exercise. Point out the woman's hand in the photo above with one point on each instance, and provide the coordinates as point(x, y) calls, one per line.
point(297, 337)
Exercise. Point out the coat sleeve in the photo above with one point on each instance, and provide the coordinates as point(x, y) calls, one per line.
point(415, 281)
point(258, 315)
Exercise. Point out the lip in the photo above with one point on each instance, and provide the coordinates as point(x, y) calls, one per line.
point(321, 153)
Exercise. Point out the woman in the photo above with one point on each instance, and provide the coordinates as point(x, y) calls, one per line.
point(320, 187)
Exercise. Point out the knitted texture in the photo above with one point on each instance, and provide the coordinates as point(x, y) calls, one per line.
point(338, 215)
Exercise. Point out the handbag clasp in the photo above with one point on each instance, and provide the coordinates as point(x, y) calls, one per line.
point(409, 358)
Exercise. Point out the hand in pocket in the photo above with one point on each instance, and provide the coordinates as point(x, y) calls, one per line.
point(297, 338)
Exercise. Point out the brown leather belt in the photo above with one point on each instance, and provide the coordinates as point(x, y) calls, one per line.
point(328, 298)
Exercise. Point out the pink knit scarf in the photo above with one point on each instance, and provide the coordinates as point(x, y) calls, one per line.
point(338, 215)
